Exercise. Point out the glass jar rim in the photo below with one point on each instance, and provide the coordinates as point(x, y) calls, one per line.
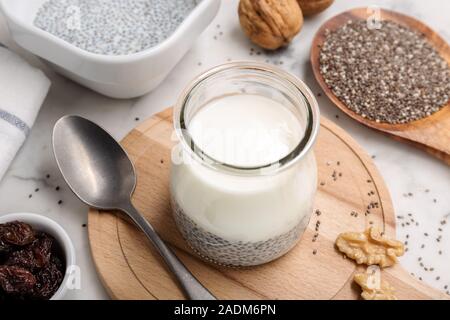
point(302, 148)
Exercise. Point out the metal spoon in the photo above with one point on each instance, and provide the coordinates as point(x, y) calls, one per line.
point(100, 173)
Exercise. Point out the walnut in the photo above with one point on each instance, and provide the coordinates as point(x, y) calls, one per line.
point(370, 247)
point(312, 7)
point(373, 287)
point(270, 24)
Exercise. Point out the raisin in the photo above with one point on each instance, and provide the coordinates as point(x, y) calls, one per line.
point(34, 256)
point(48, 280)
point(23, 258)
point(15, 234)
point(16, 280)
point(4, 247)
point(42, 249)
point(57, 262)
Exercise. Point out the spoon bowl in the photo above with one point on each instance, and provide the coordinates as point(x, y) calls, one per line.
point(94, 165)
point(101, 174)
point(431, 133)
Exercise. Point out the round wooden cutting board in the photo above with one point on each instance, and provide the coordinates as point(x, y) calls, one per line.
point(348, 183)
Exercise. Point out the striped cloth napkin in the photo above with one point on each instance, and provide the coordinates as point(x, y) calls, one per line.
point(23, 89)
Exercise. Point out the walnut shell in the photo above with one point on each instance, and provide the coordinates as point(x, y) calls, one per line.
point(270, 24)
point(312, 7)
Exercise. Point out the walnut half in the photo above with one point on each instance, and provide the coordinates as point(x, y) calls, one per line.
point(270, 24)
point(370, 247)
point(373, 287)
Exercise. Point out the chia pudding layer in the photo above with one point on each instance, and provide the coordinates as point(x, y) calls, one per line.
point(113, 27)
point(216, 249)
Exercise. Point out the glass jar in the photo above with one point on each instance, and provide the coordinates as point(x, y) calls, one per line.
point(244, 215)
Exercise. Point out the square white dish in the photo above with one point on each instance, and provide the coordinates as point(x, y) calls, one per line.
point(124, 76)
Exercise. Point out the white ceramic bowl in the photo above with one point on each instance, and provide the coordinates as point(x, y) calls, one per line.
point(125, 76)
point(42, 223)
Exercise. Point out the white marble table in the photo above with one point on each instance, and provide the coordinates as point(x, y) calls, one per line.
point(405, 169)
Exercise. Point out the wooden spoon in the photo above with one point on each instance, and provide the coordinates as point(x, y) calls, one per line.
point(432, 133)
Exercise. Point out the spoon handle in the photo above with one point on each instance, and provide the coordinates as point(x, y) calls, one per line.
point(191, 286)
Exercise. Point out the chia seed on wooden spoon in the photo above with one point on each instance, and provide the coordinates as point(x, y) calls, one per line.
point(392, 74)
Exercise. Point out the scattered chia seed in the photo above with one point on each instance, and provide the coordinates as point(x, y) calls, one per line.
point(114, 27)
point(57, 188)
point(30, 196)
point(36, 190)
point(137, 119)
point(314, 252)
point(84, 225)
point(60, 202)
point(392, 74)
point(47, 176)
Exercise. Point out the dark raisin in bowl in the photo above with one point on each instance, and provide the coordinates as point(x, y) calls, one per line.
point(33, 258)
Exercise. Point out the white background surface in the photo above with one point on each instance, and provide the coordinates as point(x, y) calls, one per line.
point(404, 169)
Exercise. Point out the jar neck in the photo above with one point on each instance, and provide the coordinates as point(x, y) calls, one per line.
point(245, 78)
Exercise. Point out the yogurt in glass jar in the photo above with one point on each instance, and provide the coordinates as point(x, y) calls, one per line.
point(243, 176)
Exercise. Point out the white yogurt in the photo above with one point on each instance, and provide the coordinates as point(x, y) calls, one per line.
point(232, 210)
point(245, 130)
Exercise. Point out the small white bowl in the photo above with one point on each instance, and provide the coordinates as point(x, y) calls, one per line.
point(125, 76)
point(42, 223)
